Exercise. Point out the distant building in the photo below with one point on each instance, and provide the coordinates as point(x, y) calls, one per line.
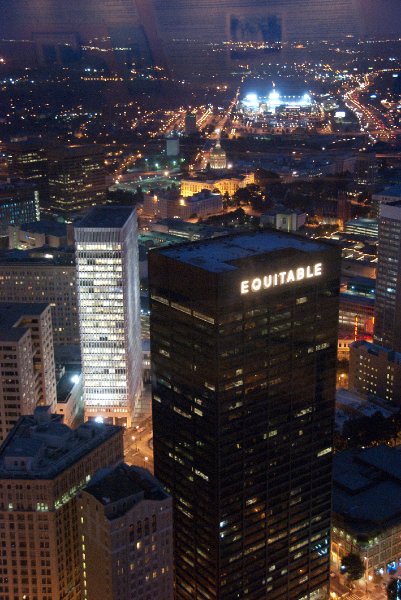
point(169, 205)
point(39, 233)
point(172, 146)
point(19, 203)
point(182, 230)
point(190, 124)
point(43, 466)
point(388, 195)
point(388, 284)
point(126, 527)
point(224, 185)
point(283, 219)
point(109, 313)
point(365, 228)
point(356, 314)
point(77, 178)
point(44, 276)
point(375, 371)
point(27, 364)
point(218, 157)
point(28, 161)
point(366, 508)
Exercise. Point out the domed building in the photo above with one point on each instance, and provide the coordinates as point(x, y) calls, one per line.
point(218, 157)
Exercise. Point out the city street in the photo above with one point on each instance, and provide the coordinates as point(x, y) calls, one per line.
point(138, 445)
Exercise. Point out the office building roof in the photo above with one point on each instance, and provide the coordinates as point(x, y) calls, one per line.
point(40, 446)
point(45, 226)
point(106, 217)
point(367, 489)
point(39, 256)
point(10, 315)
point(219, 255)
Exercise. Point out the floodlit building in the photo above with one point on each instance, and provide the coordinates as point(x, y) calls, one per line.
point(243, 346)
point(109, 313)
point(41, 233)
point(169, 205)
point(126, 527)
point(43, 465)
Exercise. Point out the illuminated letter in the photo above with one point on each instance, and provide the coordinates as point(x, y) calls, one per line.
point(300, 273)
point(282, 277)
point(275, 279)
point(290, 276)
point(309, 272)
point(267, 281)
point(244, 287)
point(256, 284)
point(318, 269)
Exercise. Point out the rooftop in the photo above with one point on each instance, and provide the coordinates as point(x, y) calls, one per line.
point(394, 190)
point(219, 255)
point(40, 446)
point(39, 256)
point(66, 384)
point(47, 227)
point(367, 488)
point(123, 482)
point(108, 217)
point(10, 315)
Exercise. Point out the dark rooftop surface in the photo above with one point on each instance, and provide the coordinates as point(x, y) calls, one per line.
point(218, 255)
point(109, 217)
point(125, 482)
point(65, 385)
point(47, 446)
point(47, 227)
point(39, 256)
point(11, 313)
point(367, 488)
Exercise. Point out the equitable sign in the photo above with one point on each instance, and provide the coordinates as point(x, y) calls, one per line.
point(281, 278)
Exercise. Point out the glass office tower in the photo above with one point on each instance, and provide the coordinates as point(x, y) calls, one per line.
point(109, 313)
point(244, 338)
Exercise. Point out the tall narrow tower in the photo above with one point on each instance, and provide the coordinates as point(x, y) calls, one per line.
point(109, 313)
point(244, 341)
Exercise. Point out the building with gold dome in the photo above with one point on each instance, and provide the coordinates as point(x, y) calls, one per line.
point(218, 157)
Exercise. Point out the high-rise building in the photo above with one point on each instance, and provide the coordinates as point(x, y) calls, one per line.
point(388, 283)
point(28, 161)
point(109, 312)
point(43, 465)
point(27, 362)
point(77, 178)
point(43, 276)
point(19, 203)
point(244, 340)
point(126, 524)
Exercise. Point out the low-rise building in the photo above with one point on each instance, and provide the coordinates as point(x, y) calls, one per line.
point(375, 371)
point(126, 528)
point(228, 184)
point(366, 508)
point(70, 395)
point(283, 219)
point(39, 233)
point(168, 204)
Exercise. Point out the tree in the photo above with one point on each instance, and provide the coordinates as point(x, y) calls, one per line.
point(394, 589)
point(353, 566)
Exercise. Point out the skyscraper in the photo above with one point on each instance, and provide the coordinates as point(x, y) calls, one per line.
point(109, 312)
point(77, 178)
point(19, 203)
point(244, 340)
point(387, 330)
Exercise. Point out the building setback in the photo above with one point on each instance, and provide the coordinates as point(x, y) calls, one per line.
point(126, 524)
point(43, 465)
point(243, 340)
point(109, 313)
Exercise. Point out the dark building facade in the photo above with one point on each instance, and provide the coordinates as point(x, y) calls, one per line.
point(244, 337)
point(19, 203)
point(77, 178)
